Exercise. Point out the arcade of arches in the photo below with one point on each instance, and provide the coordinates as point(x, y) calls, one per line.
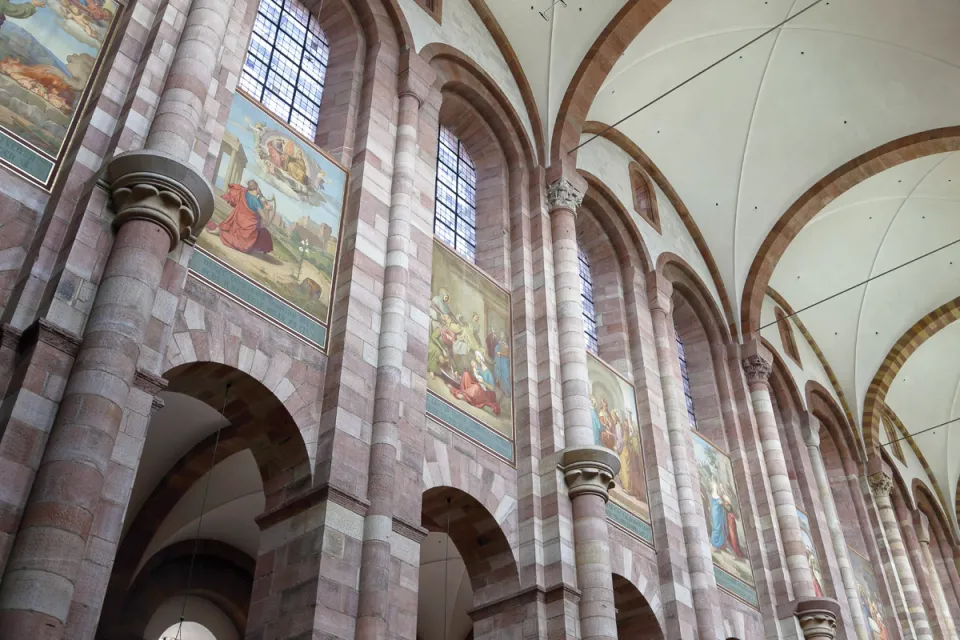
point(357, 319)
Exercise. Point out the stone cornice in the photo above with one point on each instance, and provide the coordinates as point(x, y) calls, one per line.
point(409, 530)
point(535, 593)
point(310, 498)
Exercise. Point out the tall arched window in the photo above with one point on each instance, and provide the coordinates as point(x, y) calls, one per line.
point(586, 297)
point(287, 63)
point(685, 375)
point(455, 213)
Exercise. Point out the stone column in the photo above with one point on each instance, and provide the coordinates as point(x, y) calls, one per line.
point(692, 518)
point(159, 201)
point(758, 368)
point(922, 528)
point(811, 434)
point(375, 561)
point(588, 469)
point(881, 484)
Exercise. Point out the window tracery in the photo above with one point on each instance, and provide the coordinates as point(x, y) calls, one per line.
point(685, 376)
point(286, 63)
point(455, 211)
point(586, 297)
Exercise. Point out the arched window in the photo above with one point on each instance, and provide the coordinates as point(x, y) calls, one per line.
point(586, 297)
point(455, 212)
point(685, 375)
point(287, 63)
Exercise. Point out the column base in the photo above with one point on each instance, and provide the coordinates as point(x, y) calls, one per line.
point(589, 469)
point(148, 185)
point(818, 618)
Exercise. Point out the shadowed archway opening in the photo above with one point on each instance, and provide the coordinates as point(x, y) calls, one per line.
point(635, 617)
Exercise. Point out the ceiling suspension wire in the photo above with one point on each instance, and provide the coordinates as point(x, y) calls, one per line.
point(860, 284)
point(916, 433)
point(203, 506)
point(696, 75)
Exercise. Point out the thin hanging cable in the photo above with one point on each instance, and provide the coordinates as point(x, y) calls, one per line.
point(860, 284)
point(203, 506)
point(916, 433)
point(697, 75)
point(446, 563)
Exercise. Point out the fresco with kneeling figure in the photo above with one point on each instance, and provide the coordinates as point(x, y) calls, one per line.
point(278, 209)
point(469, 354)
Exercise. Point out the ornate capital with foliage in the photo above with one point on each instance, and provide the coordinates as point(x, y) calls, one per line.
point(880, 484)
point(590, 470)
point(563, 195)
point(147, 185)
point(757, 369)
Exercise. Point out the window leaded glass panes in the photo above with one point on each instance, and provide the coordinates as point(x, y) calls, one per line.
point(455, 213)
point(586, 297)
point(286, 63)
point(685, 375)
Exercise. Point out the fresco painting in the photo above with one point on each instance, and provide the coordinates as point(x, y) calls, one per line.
point(469, 354)
point(874, 612)
point(721, 506)
point(50, 51)
point(812, 558)
point(278, 209)
point(615, 426)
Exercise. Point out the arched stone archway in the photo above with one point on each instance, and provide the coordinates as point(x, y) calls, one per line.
point(635, 617)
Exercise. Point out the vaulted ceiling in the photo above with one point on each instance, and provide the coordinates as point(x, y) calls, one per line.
point(744, 141)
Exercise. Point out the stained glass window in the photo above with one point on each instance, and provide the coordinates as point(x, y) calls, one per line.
point(586, 297)
point(286, 63)
point(685, 375)
point(455, 214)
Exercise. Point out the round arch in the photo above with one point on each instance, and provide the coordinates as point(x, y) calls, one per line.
point(636, 618)
point(686, 282)
point(832, 418)
point(831, 186)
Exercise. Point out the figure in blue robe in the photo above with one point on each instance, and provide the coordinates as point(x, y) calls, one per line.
point(718, 520)
point(501, 365)
point(595, 418)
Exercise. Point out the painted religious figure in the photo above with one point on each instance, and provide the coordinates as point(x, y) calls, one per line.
point(874, 613)
point(614, 418)
point(722, 509)
point(49, 53)
point(469, 353)
point(812, 558)
point(278, 210)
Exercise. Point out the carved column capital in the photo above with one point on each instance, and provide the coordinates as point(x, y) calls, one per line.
point(818, 618)
point(921, 524)
point(757, 369)
point(880, 484)
point(589, 470)
point(563, 195)
point(149, 185)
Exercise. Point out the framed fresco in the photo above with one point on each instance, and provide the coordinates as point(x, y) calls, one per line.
point(812, 557)
point(874, 612)
point(615, 426)
point(50, 54)
point(470, 353)
point(274, 238)
point(721, 506)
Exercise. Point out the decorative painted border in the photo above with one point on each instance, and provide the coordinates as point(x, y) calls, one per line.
point(630, 522)
point(258, 299)
point(736, 588)
point(254, 295)
point(725, 580)
point(47, 167)
point(448, 415)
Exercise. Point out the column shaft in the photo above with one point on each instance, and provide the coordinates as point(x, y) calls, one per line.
point(381, 483)
point(922, 529)
point(598, 616)
point(758, 373)
point(154, 211)
point(699, 559)
point(881, 484)
point(836, 530)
